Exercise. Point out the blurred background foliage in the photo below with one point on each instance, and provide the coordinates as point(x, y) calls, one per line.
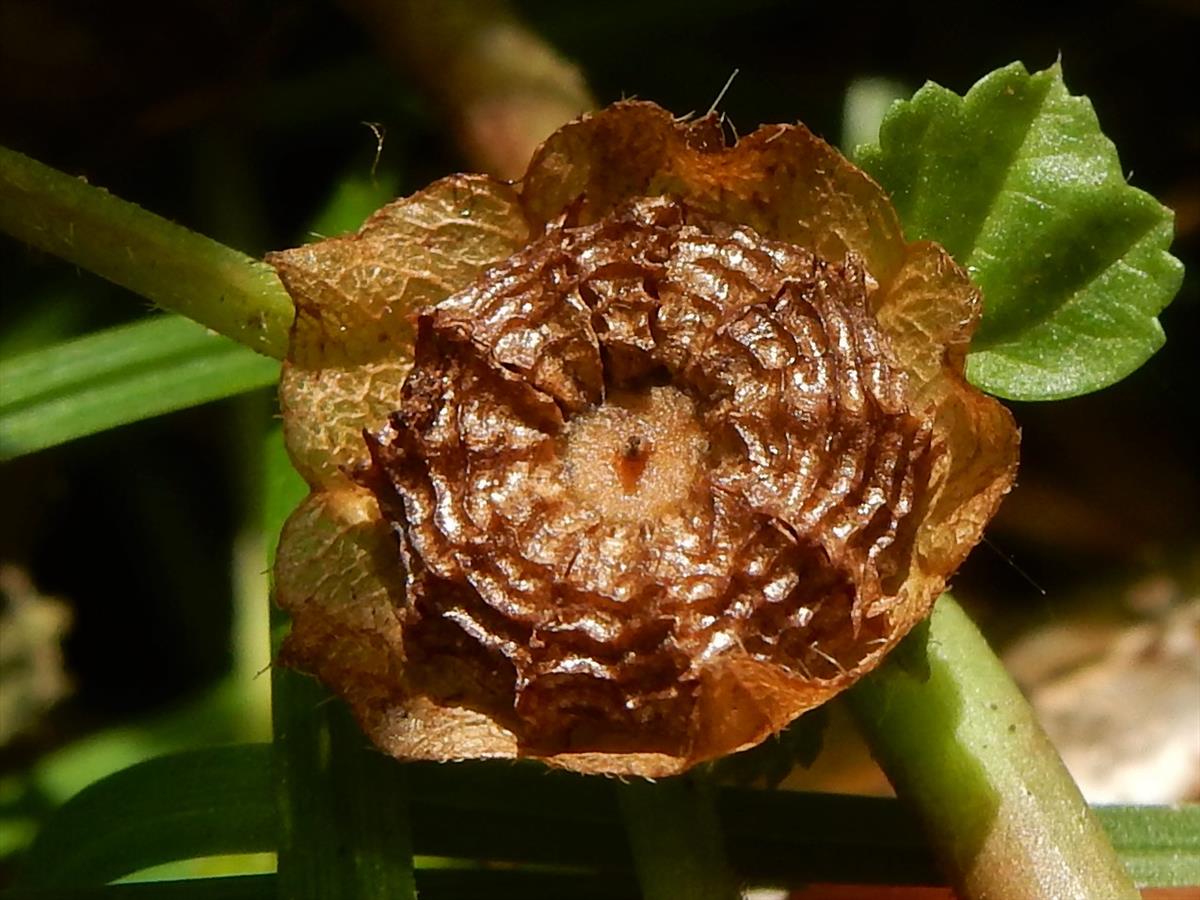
point(245, 120)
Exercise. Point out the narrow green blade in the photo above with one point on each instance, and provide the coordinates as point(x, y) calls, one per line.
point(343, 806)
point(218, 801)
point(187, 805)
point(121, 375)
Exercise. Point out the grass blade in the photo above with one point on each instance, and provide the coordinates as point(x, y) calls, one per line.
point(676, 839)
point(343, 807)
point(1159, 845)
point(203, 803)
point(117, 376)
point(187, 805)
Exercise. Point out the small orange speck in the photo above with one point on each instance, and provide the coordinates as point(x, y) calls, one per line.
point(631, 462)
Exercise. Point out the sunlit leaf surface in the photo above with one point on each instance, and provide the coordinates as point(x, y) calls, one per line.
point(1018, 182)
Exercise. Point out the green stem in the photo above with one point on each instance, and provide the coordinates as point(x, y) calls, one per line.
point(344, 829)
point(960, 744)
point(167, 264)
point(675, 836)
point(344, 825)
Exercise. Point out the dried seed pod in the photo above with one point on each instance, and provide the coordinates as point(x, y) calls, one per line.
point(683, 459)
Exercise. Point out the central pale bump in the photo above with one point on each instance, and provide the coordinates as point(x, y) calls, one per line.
point(637, 456)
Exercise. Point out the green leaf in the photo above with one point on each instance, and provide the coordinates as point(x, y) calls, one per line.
point(1159, 845)
point(120, 375)
point(198, 803)
point(221, 800)
point(1018, 182)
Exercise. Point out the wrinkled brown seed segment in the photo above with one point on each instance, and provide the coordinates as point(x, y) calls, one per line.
point(634, 451)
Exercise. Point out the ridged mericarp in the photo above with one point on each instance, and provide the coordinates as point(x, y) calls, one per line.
point(687, 448)
point(776, 466)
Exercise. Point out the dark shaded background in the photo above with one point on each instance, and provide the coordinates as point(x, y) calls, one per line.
point(237, 118)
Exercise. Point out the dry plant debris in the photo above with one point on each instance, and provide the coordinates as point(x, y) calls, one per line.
point(628, 464)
